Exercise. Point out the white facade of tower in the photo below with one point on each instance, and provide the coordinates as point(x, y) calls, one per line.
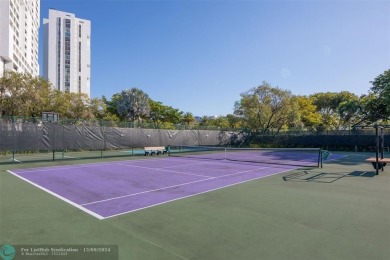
point(67, 52)
point(19, 25)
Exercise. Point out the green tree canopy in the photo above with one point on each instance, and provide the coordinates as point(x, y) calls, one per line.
point(267, 108)
point(378, 107)
point(308, 114)
point(187, 118)
point(264, 108)
point(111, 105)
point(220, 122)
point(233, 121)
point(350, 112)
point(97, 108)
point(23, 95)
point(161, 114)
point(338, 110)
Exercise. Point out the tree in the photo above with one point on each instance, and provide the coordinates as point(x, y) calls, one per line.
point(371, 110)
point(70, 105)
point(379, 105)
point(350, 112)
point(188, 118)
point(233, 121)
point(133, 104)
point(79, 105)
point(172, 115)
point(309, 117)
point(24, 95)
point(163, 115)
point(338, 110)
point(266, 108)
point(11, 88)
point(220, 122)
point(59, 103)
point(97, 108)
point(111, 105)
point(204, 121)
point(36, 96)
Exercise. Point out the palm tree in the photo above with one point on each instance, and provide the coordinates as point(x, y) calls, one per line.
point(188, 118)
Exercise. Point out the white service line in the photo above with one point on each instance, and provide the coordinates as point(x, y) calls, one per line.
point(85, 165)
point(161, 169)
point(335, 158)
point(181, 165)
point(53, 168)
point(122, 213)
point(173, 186)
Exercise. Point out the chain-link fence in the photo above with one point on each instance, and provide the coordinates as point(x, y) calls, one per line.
point(362, 139)
point(48, 141)
point(29, 136)
point(107, 123)
point(53, 141)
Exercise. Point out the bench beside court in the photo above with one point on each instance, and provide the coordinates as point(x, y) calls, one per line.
point(155, 150)
point(381, 162)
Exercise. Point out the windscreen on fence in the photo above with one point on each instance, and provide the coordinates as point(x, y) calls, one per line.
point(55, 137)
point(57, 141)
point(21, 137)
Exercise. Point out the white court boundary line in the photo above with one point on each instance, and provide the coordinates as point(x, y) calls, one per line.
point(84, 165)
point(189, 164)
point(51, 168)
point(222, 187)
point(14, 160)
point(335, 159)
point(173, 186)
point(135, 161)
point(58, 196)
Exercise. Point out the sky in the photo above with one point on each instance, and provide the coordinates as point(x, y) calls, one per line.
point(199, 56)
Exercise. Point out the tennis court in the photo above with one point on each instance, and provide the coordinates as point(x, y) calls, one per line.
point(272, 211)
point(105, 190)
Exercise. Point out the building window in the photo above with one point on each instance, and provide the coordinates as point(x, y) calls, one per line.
point(79, 30)
point(58, 53)
point(79, 84)
point(79, 56)
point(67, 54)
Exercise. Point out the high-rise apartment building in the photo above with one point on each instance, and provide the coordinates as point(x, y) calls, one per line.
point(19, 25)
point(67, 52)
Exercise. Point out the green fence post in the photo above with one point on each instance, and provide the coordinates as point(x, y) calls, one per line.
point(377, 150)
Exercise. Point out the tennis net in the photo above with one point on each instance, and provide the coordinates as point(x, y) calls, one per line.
point(284, 156)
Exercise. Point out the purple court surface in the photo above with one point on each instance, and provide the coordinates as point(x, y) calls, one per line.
point(110, 189)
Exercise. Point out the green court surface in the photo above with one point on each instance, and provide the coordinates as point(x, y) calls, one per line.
point(341, 211)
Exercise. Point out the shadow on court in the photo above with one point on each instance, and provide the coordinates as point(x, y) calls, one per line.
point(307, 176)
